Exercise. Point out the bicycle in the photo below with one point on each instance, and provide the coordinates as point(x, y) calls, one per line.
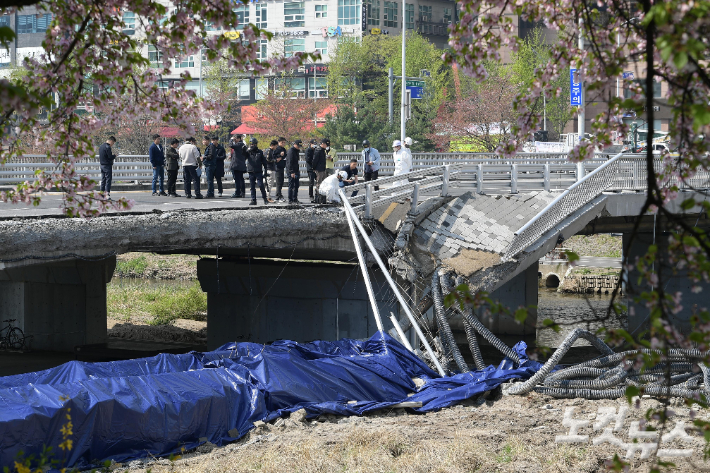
point(15, 337)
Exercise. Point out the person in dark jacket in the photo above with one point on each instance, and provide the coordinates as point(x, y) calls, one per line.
point(106, 159)
point(172, 164)
point(271, 167)
point(157, 160)
point(310, 151)
point(220, 154)
point(209, 161)
point(351, 170)
point(294, 174)
point(319, 167)
point(238, 165)
point(280, 159)
point(256, 165)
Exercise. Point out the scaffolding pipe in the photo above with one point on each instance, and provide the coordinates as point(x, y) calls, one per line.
point(403, 303)
point(363, 268)
point(402, 337)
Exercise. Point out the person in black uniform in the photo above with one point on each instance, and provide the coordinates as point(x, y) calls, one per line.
point(279, 156)
point(294, 174)
point(106, 159)
point(220, 154)
point(310, 151)
point(238, 166)
point(256, 165)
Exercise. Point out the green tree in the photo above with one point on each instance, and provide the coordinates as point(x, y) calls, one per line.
point(534, 52)
point(221, 82)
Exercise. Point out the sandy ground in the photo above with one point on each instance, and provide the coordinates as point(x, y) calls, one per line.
point(508, 434)
point(182, 330)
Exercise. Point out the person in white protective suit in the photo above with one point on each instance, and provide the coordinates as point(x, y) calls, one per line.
point(330, 186)
point(402, 162)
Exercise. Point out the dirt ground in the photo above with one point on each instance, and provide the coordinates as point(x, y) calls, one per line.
point(181, 330)
point(508, 434)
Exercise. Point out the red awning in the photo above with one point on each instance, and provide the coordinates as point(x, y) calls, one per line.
point(243, 129)
point(210, 127)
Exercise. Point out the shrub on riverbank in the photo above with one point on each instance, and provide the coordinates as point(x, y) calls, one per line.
point(154, 266)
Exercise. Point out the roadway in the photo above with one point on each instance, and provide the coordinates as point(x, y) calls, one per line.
point(144, 203)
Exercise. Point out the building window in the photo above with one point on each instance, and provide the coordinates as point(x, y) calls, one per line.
point(320, 90)
point(261, 49)
point(155, 56)
point(5, 20)
point(348, 12)
point(129, 19)
point(409, 16)
point(321, 11)
point(294, 14)
point(294, 45)
point(261, 88)
point(244, 89)
point(33, 23)
point(322, 47)
point(183, 62)
point(642, 83)
point(242, 16)
point(261, 15)
point(209, 26)
point(448, 15)
point(425, 26)
point(391, 14)
point(373, 14)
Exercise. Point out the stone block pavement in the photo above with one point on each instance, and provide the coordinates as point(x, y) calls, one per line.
point(478, 222)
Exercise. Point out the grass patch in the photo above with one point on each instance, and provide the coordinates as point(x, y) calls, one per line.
point(155, 304)
point(132, 266)
point(601, 245)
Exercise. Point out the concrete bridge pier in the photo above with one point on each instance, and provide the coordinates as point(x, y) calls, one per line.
point(261, 301)
point(672, 280)
point(60, 304)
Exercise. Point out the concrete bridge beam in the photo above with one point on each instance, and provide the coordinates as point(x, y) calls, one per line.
point(262, 301)
point(60, 304)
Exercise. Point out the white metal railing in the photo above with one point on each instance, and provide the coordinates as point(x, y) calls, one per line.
point(579, 194)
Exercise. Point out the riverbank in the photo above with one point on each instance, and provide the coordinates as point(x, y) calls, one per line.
point(600, 245)
point(155, 266)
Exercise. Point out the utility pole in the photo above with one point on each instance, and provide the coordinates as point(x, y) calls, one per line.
point(544, 111)
point(391, 95)
point(200, 72)
point(403, 117)
point(580, 116)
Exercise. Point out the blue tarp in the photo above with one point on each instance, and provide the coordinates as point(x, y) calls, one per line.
point(128, 409)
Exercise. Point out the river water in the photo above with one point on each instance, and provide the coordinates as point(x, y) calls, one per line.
point(569, 311)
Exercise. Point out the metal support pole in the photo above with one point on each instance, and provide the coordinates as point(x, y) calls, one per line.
point(395, 289)
point(546, 178)
point(513, 178)
point(580, 116)
point(403, 117)
point(365, 274)
point(415, 199)
point(402, 337)
point(391, 96)
point(445, 183)
point(479, 179)
point(368, 201)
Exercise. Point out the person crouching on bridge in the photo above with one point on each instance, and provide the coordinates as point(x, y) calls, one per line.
point(350, 170)
point(328, 189)
point(220, 154)
point(294, 173)
point(189, 154)
point(256, 165)
point(172, 164)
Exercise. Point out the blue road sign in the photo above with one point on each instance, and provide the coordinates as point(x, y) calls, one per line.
point(575, 90)
point(416, 88)
point(627, 75)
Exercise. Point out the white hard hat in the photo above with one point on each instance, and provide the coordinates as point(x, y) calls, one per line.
point(343, 174)
point(396, 143)
point(408, 141)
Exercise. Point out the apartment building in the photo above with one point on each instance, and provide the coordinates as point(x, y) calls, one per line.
point(298, 26)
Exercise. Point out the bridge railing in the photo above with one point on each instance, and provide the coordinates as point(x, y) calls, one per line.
point(138, 168)
point(579, 194)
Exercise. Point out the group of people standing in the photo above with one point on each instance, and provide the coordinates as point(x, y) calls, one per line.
point(276, 162)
